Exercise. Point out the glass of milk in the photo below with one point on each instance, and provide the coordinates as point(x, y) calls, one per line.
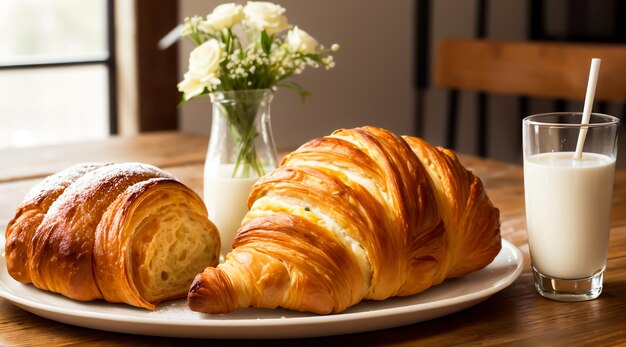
point(568, 202)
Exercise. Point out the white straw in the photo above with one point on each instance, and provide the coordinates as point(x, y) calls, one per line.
point(591, 92)
point(170, 38)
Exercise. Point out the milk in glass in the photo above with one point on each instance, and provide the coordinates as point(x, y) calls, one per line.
point(568, 207)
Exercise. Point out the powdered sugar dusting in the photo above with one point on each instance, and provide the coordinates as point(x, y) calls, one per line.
point(59, 181)
point(138, 187)
point(176, 309)
point(108, 179)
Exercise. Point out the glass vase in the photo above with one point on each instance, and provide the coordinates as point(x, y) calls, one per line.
point(241, 149)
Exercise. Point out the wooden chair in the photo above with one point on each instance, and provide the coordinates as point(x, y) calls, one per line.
point(528, 69)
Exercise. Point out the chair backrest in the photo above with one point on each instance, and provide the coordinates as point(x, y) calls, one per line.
point(527, 68)
point(542, 69)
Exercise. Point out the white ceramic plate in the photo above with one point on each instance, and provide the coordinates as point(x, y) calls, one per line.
point(175, 319)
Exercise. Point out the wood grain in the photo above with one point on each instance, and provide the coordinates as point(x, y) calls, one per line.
point(516, 315)
point(542, 69)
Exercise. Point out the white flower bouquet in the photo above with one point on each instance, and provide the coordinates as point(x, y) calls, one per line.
point(246, 48)
point(266, 51)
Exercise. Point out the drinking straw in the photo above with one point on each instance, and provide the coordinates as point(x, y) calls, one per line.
point(591, 91)
point(170, 38)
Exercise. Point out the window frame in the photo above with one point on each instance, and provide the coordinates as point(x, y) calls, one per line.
point(108, 63)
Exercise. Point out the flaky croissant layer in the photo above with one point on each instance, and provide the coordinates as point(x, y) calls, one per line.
point(122, 232)
point(361, 214)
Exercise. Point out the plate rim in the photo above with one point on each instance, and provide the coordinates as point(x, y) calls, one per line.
point(472, 298)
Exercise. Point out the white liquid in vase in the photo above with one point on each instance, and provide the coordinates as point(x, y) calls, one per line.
point(226, 200)
point(568, 212)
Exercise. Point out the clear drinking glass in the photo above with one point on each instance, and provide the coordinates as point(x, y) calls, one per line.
point(568, 202)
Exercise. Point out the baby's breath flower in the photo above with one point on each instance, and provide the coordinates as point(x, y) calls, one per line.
point(190, 25)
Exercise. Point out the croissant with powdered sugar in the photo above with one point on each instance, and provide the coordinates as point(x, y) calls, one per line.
point(120, 232)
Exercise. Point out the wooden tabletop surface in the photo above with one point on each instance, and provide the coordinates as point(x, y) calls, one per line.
point(515, 315)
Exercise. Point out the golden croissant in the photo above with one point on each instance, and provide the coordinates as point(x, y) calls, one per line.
point(122, 232)
point(361, 214)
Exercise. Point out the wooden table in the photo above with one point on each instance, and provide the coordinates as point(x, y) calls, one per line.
point(515, 315)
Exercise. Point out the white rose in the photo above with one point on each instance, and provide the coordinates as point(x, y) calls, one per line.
point(204, 60)
point(204, 65)
point(265, 16)
point(223, 16)
point(190, 86)
point(299, 41)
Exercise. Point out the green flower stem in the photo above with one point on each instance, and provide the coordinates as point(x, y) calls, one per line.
point(241, 116)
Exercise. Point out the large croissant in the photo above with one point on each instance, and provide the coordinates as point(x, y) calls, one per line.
point(361, 214)
point(123, 232)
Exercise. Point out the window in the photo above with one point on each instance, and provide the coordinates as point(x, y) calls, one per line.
point(57, 78)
